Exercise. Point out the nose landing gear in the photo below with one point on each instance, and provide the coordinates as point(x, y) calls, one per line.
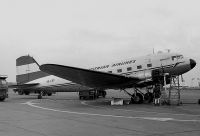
point(137, 98)
point(148, 97)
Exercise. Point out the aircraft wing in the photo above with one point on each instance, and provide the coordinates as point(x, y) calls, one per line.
point(89, 78)
point(23, 85)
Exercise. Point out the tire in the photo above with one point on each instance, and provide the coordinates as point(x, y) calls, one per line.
point(39, 96)
point(49, 94)
point(44, 93)
point(26, 93)
point(20, 92)
point(148, 97)
point(138, 99)
point(2, 99)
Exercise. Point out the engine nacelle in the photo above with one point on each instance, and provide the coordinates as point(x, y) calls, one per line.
point(154, 75)
point(143, 75)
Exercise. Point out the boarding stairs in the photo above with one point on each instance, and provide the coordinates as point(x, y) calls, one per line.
point(170, 94)
point(164, 99)
point(174, 91)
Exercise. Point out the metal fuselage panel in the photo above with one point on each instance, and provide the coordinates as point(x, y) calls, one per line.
point(139, 66)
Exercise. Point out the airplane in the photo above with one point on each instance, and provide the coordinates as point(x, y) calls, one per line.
point(134, 73)
point(30, 79)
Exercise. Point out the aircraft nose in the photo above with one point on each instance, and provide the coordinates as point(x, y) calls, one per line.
point(192, 63)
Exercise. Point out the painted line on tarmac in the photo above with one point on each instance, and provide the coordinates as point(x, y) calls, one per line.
point(30, 103)
point(176, 114)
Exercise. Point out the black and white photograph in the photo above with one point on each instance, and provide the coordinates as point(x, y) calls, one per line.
point(100, 68)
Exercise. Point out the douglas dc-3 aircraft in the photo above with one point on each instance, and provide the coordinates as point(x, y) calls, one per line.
point(131, 73)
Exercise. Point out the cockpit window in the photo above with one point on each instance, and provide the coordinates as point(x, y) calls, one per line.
point(180, 57)
point(173, 57)
point(177, 57)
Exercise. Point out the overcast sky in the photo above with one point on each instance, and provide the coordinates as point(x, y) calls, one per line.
point(86, 33)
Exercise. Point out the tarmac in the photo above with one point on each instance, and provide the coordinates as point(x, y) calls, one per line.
point(64, 115)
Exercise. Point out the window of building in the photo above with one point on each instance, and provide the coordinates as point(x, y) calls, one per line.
point(119, 70)
point(139, 67)
point(129, 68)
point(149, 65)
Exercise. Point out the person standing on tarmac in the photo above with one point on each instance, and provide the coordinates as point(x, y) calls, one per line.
point(156, 94)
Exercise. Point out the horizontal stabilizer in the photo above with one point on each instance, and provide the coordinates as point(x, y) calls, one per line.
point(23, 85)
point(89, 78)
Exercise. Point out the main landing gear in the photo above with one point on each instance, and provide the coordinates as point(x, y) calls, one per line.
point(44, 93)
point(40, 94)
point(138, 97)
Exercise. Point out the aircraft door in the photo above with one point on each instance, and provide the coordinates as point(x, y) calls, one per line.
point(165, 62)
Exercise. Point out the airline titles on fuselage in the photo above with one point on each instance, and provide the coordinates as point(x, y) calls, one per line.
point(114, 65)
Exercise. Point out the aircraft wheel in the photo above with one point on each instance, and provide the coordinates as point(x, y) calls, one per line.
point(40, 96)
point(44, 93)
point(20, 92)
point(104, 94)
point(148, 97)
point(2, 99)
point(49, 94)
point(26, 93)
point(137, 99)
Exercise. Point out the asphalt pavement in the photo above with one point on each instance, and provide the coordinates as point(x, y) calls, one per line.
point(64, 115)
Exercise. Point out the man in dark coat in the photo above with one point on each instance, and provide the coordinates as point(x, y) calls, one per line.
point(157, 94)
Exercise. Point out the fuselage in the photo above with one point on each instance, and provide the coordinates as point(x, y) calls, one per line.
point(141, 67)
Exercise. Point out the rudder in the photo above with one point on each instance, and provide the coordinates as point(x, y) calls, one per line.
point(28, 70)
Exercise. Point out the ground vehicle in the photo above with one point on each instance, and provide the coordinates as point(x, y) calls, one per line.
point(92, 94)
point(3, 88)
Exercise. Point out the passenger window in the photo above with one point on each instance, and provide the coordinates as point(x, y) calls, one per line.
point(173, 57)
point(129, 68)
point(149, 65)
point(139, 67)
point(119, 70)
point(109, 71)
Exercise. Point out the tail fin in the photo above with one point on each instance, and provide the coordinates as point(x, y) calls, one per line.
point(28, 70)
